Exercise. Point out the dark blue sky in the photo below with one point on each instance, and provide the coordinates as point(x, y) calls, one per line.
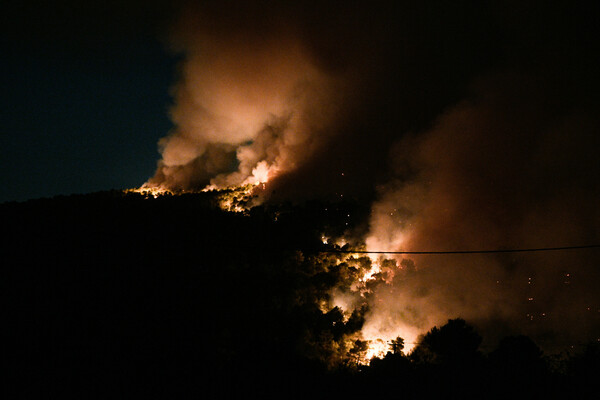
point(82, 107)
point(85, 84)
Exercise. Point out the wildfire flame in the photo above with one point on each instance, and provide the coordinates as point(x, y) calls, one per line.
point(376, 334)
point(379, 334)
point(260, 174)
point(233, 198)
point(377, 348)
point(148, 191)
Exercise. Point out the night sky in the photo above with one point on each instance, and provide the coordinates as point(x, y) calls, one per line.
point(89, 89)
point(85, 96)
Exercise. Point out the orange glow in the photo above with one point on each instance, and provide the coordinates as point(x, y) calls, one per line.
point(376, 348)
point(150, 191)
point(380, 336)
point(235, 199)
point(368, 275)
point(260, 174)
point(378, 331)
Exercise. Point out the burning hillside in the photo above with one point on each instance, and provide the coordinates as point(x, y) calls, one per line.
point(336, 203)
point(495, 151)
point(403, 296)
point(118, 279)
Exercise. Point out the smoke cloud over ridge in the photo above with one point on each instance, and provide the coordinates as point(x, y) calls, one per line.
point(250, 103)
point(303, 93)
point(470, 126)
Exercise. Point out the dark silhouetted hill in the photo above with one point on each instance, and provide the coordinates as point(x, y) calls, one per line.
point(115, 294)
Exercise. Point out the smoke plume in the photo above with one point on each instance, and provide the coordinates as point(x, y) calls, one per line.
point(250, 103)
point(512, 166)
point(473, 126)
point(309, 96)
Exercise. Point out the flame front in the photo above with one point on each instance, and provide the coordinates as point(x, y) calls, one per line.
point(376, 273)
point(366, 274)
point(147, 191)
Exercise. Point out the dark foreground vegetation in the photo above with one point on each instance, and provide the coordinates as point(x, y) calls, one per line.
point(114, 295)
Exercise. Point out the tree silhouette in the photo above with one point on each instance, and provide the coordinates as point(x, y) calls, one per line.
point(517, 355)
point(358, 351)
point(518, 368)
point(584, 369)
point(455, 342)
point(397, 345)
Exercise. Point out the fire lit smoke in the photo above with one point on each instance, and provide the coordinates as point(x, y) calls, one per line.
point(471, 133)
point(249, 104)
point(503, 169)
point(309, 96)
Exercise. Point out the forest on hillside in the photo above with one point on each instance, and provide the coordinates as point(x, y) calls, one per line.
point(117, 293)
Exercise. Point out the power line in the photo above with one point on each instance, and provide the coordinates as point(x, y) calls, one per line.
point(526, 250)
